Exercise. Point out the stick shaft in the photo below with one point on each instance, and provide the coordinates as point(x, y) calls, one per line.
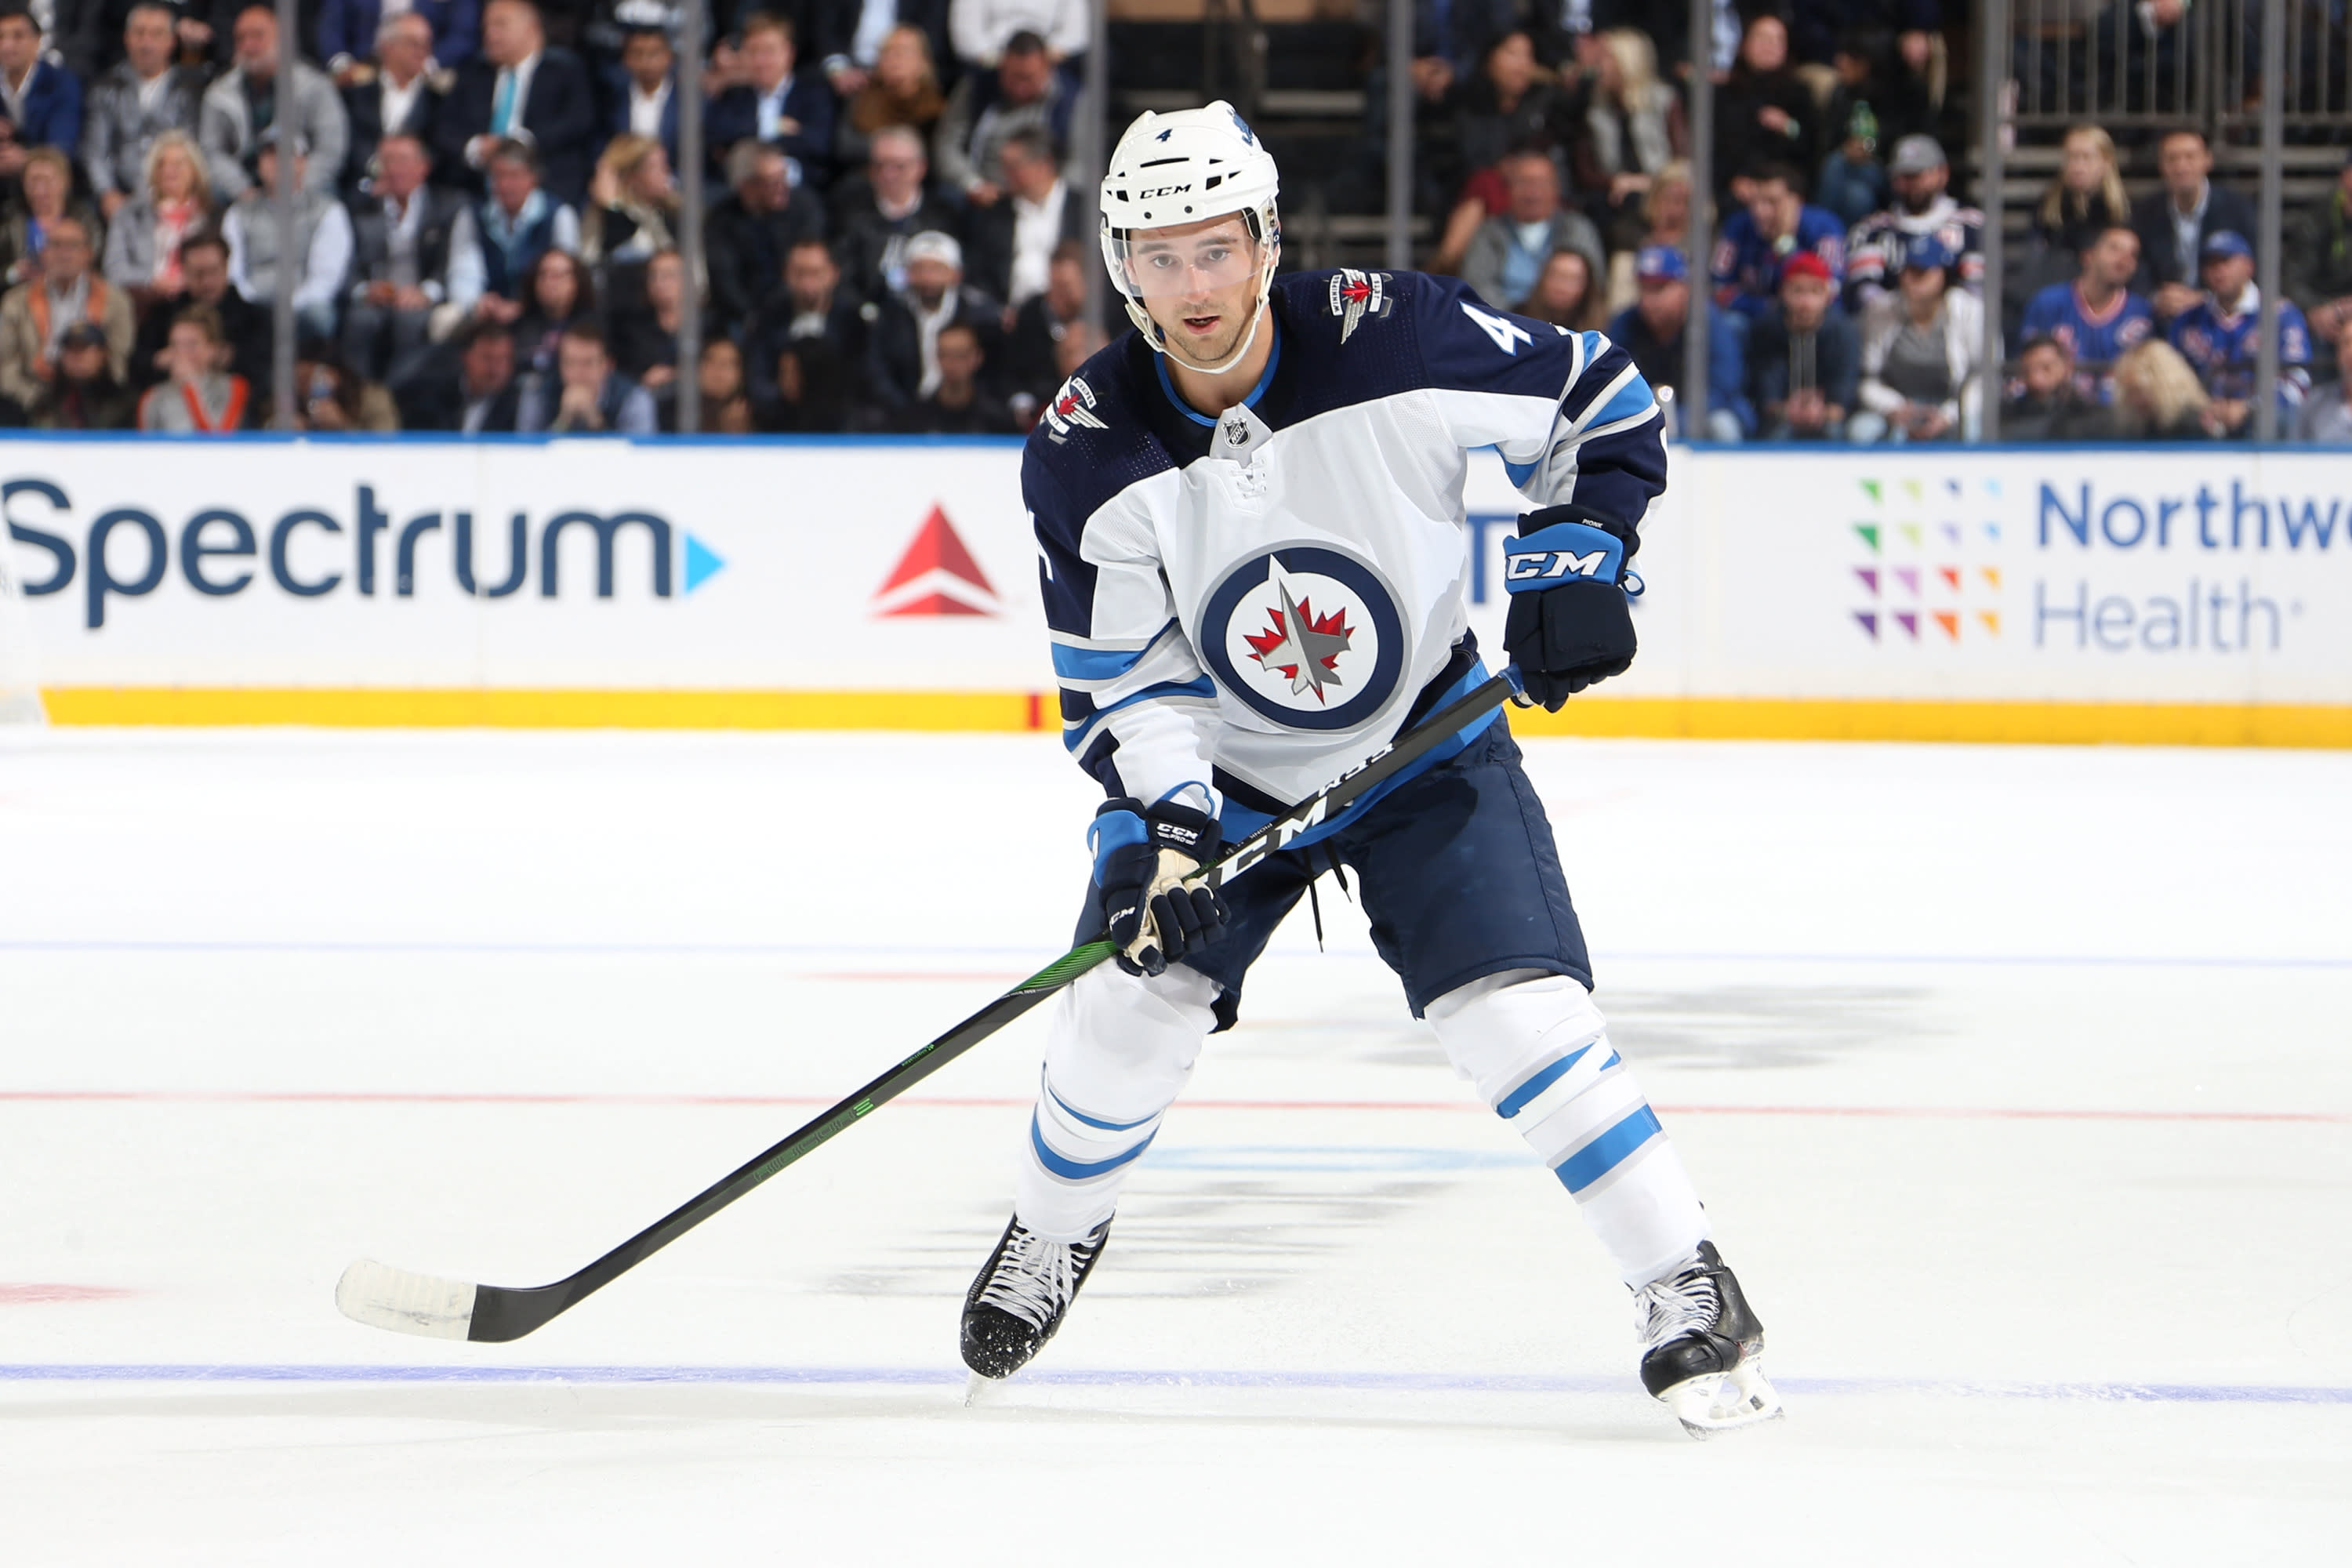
point(502, 1314)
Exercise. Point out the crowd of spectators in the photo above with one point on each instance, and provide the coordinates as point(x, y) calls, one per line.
point(488, 221)
point(488, 215)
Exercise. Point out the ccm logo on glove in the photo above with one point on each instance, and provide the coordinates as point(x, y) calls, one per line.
point(1563, 550)
point(1570, 624)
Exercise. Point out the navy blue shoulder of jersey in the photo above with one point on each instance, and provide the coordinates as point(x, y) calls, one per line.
point(1094, 439)
point(1361, 336)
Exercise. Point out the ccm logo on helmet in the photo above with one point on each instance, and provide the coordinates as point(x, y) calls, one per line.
point(1164, 191)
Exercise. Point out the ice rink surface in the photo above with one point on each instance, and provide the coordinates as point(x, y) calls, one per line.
point(2018, 1083)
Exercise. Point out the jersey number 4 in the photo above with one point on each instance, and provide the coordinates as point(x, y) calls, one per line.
point(1507, 335)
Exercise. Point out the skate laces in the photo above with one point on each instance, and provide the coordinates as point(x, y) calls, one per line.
point(1034, 1279)
point(1683, 1302)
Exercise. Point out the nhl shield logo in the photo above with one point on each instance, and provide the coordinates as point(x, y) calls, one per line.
point(1306, 636)
point(1073, 405)
point(1355, 295)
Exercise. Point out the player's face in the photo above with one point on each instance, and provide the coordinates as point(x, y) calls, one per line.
point(1199, 282)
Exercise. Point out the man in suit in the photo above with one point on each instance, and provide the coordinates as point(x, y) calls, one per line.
point(777, 107)
point(203, 266)
point(521, 88)
point(135, 103)
point(396, 95)
point(468, 387)
point(749, 231)
point(349, 28)
point(415, 251)
point(250, 101)
point(903, 361)
point(2173, 223)
point(646, 102)
point(876, 213)
point(41, 102)
point(1009, 247)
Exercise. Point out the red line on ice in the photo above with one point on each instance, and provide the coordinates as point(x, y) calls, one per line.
point(46, 1295)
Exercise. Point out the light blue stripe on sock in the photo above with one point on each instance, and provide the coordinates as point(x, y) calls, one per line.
point(1516, 1100)
point(1079, 1169)
point(1609, 1151)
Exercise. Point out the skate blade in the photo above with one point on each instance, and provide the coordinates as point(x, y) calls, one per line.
point(1724, 1401)
point(981, 1391)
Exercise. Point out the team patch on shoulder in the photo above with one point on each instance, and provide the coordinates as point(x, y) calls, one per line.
point(1073, 405)
point(1355, 295)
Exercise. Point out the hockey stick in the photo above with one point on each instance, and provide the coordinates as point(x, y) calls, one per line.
point(385, 1297)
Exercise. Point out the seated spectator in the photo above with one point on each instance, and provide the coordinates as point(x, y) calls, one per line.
point(1923, 207)
point(2158, 397)
point(519, 223)
point(957, 405)
point(645, 341)
point(246, 101)
point(42, 100)
point(647, 104)
point(521, 89)
point(1010, 246)
point(135, 103)
point(849, 36)
point(559, 293)
point(322, 233)
point(1765, 112)
point(2327, 413)
point(36, 315)
point(728, 408)
point(1566, 294)
point(86, 393)
point(2317, 260)
point(1632, 132)
point(398, 95)
point(2095, 318)
point(1030, 370)
point(1852, 182)
point(1507, 252)
point(586, 395)
point(792, 112)
point(2085, 197)
point(986, 106)
point(982, 30)
point(633, 204)
point(414, 257)
point(902, 93)
point(244, 326)
point(1756, 241)
point(1804, 358)
point(814, 392)
point(1651, 331)
point(903, 364)
point(2049, 405)
point(202, 394)
point(1922, 356)
point(468, 388)
point(815, 315)
point(1510, 103)
point(750, 230)
point(348, 26)
point(331, 398)
point(45, 196)
point(1665, 220)
point(2173, 223)
point(2220, 337)
point(143, 247)
point(874, 213)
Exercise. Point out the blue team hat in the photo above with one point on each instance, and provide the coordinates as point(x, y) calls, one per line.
point(2225, 242)
point(1660, 263)
point(1928, 250)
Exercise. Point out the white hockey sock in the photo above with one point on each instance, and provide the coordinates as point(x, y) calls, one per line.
point(1538, 1050)
point(1119, 1049)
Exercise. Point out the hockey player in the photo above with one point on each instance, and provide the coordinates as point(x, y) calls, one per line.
point(1250, 516)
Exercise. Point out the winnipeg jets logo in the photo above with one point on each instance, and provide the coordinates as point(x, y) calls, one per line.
point(1302, 645)
point(1355, 295)
point(1074, 404)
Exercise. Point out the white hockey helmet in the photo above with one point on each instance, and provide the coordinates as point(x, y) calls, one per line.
point(1179, 168)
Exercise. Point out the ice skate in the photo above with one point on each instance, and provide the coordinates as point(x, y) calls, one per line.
point(1703, 1349)
point(1022, 1294)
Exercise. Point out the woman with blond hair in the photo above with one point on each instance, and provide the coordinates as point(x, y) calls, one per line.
point(1665, 220)
point(2158, 397)
point(2085, 197)
point(1632, 130)
point(903, 89)
point(143, 247)
point(631, 204)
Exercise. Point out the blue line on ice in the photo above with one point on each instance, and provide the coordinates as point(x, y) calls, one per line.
point(1360, 1382)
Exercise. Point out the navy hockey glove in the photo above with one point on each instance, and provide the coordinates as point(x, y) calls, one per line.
point(1570, 622)
point(1142, 855)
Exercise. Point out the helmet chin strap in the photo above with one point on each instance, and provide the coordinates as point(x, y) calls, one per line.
point(1157, 336)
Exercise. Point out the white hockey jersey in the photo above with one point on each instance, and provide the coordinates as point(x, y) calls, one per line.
point(1255, 602)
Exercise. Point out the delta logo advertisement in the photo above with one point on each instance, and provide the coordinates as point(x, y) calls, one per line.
point(1927, 565)
point(935, 575)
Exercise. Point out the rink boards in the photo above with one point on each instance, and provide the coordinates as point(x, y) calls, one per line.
point(2003, 593)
